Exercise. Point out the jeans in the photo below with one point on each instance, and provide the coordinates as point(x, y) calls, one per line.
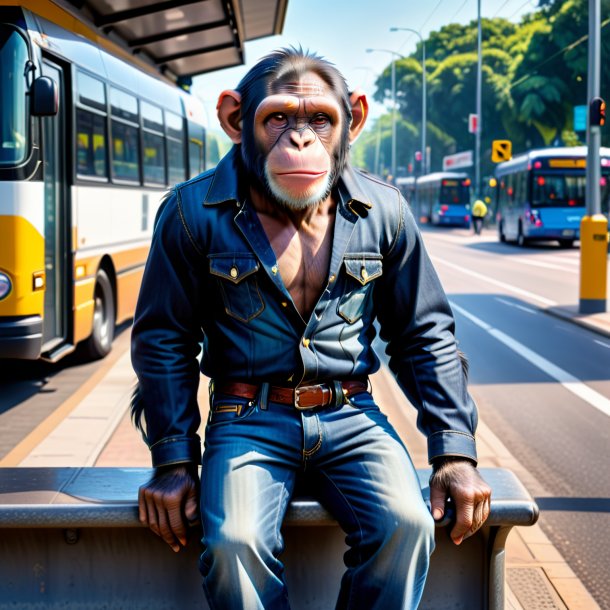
point(363, 475)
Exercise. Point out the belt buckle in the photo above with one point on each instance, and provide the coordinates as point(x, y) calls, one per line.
point(297, 392)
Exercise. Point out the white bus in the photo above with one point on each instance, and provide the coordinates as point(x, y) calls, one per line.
point(88, 143)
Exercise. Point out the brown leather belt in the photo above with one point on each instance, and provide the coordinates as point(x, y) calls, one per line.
point(302, 397)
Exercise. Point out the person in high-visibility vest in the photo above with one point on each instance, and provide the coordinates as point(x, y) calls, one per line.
point(479, 211)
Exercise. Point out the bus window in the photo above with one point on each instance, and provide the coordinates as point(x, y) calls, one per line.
point(175, 147)
point(196, 149)
point(454, 191)
point(13, 123)
point(551, 190)
point(154, 147)
point(91, 147)
point(124, 128)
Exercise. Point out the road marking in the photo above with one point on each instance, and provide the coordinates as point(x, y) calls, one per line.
point(522, 307)
point(602, 343)
point(524, 261)
point(567, 380)
point(490, 280)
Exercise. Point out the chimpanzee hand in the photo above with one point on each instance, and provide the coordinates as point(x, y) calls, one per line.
point(459, 479)
point(169, 502)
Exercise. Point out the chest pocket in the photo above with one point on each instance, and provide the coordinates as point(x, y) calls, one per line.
point(236, 274)
point(361, 270)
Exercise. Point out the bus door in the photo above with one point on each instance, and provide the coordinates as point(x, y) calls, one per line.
point(55, 218)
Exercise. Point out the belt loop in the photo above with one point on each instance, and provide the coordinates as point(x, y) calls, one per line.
point(211, 399)
point(338, 395)
point(263, 396)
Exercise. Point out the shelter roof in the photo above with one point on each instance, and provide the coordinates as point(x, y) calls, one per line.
point(183, 38)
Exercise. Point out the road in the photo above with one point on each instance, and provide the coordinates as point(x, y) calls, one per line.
point(542, 384)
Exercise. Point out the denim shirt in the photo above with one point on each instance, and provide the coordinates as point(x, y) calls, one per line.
point(212, 278)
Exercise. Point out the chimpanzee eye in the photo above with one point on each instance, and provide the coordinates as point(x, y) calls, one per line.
point(278, 119)
point(320, 120)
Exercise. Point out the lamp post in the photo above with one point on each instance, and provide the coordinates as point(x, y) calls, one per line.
point(394, 55)
point(424, 155)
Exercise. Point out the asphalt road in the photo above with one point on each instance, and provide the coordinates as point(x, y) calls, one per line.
point(542, 384)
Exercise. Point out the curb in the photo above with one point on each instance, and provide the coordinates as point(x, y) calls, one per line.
point(597, 323)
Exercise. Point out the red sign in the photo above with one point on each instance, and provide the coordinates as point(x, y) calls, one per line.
point(473, 123)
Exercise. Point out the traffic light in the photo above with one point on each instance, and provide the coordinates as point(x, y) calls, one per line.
point(597, 112)
point(418, 155)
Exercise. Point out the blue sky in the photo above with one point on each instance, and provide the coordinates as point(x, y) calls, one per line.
point(342, 30)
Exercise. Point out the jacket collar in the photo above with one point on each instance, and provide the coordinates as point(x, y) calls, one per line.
point(224, 187)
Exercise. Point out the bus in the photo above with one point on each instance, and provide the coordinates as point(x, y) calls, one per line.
point(88, 143)
point(541, 194)
point(406, 185)
point(441, 198)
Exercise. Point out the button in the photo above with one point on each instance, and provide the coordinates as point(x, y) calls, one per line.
point(234, 272)
point(284, 303)
point(274, 269)
point(305, 342)
point(332, 278)
point(364, 273)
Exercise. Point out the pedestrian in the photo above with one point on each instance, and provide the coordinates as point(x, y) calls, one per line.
point(277, 262)
point(479, 211)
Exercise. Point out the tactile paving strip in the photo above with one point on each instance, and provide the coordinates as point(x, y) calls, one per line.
point(532, 590)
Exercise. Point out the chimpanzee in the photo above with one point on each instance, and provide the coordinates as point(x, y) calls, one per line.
point(277, 263)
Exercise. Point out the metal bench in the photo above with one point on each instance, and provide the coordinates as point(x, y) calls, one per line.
point(70, 538)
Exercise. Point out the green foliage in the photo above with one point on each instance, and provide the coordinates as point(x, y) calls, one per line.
point(533, 75)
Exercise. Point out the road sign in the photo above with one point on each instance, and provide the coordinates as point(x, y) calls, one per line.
point(580, 118)
point(501, 150)
point(473, 123)
point(457, 161)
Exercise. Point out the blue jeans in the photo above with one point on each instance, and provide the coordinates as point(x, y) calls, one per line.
point(364, 477)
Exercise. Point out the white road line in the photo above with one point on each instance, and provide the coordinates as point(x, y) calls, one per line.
point(602, 343)
point(524, 261)
point(490, 280)
point(567, 380)
point(516, 305)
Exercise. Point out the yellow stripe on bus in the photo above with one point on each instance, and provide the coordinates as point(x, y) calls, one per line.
point(21, 255)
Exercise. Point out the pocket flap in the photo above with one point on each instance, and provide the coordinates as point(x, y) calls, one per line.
point(363, 267)
point(233, 267)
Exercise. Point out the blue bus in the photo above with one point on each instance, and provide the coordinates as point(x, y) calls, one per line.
point(541, 194)
point(440, 198)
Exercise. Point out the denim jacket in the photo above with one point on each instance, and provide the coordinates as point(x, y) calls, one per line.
point(212, 278)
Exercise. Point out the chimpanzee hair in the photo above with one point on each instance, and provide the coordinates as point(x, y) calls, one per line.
point(280, 67)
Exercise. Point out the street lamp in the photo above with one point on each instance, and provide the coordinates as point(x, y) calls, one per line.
point(394, 55)
point(424, 156)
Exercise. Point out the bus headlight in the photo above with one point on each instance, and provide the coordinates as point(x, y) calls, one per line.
point(5, 285)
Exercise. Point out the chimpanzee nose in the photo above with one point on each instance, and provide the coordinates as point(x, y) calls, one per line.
point(302, 137)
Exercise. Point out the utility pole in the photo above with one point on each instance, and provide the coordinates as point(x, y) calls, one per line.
point(593, 226)
point(477, 135)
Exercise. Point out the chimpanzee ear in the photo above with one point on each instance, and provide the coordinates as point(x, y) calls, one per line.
point(360, 110)
point(229, 114)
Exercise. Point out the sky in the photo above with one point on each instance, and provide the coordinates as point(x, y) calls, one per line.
point(342, 31)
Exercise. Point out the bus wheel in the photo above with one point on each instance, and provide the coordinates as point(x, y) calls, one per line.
point(102, 332)
point(521, 239)
point(566, 243)
point(501, 235)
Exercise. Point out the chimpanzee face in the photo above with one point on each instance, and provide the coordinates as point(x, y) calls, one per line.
point(293, 119)
point(299, 130)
